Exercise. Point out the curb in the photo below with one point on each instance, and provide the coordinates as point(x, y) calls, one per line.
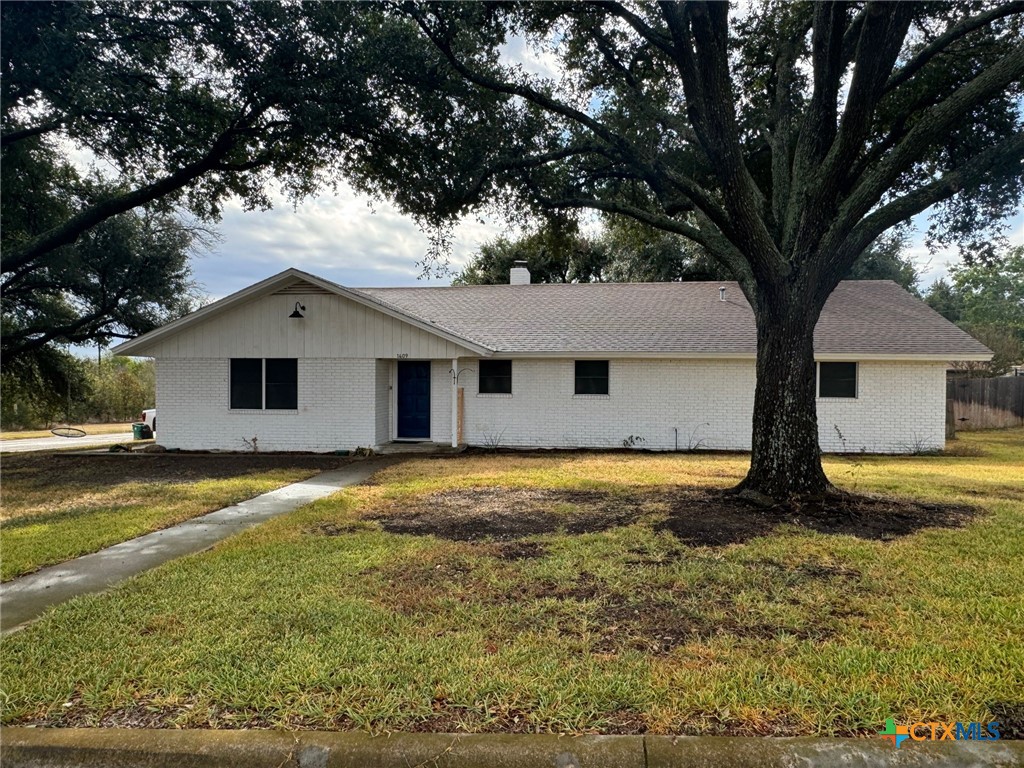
point(138, 748)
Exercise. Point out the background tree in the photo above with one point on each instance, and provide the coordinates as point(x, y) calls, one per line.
point(885, 259)
point(624, 251)
point(114, 389)
point(42, 389)
point(120, 388)
point(556, 252)
point(784, 142)
point(986, 299)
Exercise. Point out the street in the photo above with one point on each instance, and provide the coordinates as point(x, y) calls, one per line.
point(50, 443)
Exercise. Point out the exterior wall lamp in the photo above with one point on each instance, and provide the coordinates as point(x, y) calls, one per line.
point(296, 314)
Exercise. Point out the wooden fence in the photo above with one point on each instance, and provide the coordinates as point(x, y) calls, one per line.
point(984, 403)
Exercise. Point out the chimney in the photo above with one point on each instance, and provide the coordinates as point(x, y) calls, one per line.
point(519, 274)
point(721, 293)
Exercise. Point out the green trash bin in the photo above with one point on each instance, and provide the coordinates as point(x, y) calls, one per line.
point(141, 431)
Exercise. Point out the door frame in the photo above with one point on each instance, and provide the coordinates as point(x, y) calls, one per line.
point(394, 401)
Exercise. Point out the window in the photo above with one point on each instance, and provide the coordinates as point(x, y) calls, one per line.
point(837, 379)
point(271, 384)
point(591, 377)
point(246, 383)
point(496, 377)
point(282, 384)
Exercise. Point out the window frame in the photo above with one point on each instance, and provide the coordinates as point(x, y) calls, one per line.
point(818, 380)
point(607, 379)
point(263, 384)
point(481, 376)
point(232, 383)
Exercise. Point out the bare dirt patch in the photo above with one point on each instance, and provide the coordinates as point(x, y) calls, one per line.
point(646, 616)
point(44, 470)
point(504, 514)
point(716, 518)
point(695, 516)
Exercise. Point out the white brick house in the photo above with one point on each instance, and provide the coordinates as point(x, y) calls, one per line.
point(303, 364)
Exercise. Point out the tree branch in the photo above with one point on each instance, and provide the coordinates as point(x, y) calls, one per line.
point(515, 89)
point(882, 33)
point(933, 125)
point(26, 133)
point(1007, 154)
point(640, 26)
point(942, 42)
point(700, 38)
point(66, 233)
point(715, 243)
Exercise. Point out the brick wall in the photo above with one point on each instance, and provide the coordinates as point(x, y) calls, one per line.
point(709, 402)
point(336, 410)
point(698, 403)
point(899, 408)
point(669, 403)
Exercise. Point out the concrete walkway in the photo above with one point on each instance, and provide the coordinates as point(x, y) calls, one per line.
point(25, 598)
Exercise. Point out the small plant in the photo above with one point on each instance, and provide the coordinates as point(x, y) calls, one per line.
point(633, 441)
point(492, 440)
point(360, 451)
point(694, 444)
point(251, 445)
point(919, 447)
point(855, 462)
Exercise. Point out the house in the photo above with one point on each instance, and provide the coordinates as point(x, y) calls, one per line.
point(304, 364)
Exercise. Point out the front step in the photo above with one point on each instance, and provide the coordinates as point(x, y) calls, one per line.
point(425, 448)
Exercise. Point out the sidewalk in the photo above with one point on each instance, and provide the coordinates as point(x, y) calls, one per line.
point(25, 598)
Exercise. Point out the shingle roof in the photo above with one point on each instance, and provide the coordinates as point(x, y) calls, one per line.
point(867, 317)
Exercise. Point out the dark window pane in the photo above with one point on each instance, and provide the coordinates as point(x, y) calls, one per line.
point(246, 382)
point(283, 384)
point(837, 380)
point(591, 377)
point(496, 377)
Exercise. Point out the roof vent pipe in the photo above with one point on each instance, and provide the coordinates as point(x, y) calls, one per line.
point(519, 274)
point(721, 293)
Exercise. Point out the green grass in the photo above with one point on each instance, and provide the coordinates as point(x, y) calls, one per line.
point(54, 514)
point(623, 630)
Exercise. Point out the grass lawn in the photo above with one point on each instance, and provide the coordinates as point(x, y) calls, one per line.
point(615, 600)
point(89, 429)
point(56, 507)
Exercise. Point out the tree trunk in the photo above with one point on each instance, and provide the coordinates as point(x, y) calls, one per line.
point(785, 459)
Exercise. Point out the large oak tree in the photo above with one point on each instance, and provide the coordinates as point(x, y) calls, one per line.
point(783, 140)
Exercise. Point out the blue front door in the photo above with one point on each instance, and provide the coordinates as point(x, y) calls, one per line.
point(413, 399)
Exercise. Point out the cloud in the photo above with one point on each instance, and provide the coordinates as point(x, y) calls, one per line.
point(343, 237)
point(935, 266)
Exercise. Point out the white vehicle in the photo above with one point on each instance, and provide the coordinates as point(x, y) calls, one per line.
point(148, 417)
